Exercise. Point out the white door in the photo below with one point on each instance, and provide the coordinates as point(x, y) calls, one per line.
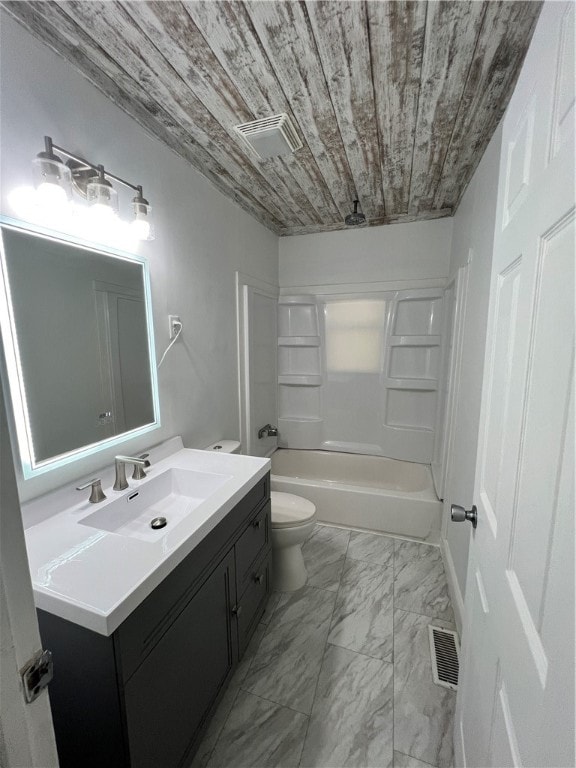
point(257, 363)
point(26, 732)
point(515, 706)
point(263, 336)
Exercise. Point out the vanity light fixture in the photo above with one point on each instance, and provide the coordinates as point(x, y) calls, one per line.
point(101, 195)
point(54, 181)
point(52, 178)
point(141, 223)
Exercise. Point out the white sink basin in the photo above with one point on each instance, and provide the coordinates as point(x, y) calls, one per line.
point(173, 495)
point(73, 545)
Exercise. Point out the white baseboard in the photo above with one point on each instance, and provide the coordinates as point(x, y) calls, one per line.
point(453, 586)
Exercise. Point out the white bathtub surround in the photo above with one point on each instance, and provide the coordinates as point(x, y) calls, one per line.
point(87, 573)
point(358, 709)
point(358, 371)
point(369, 492)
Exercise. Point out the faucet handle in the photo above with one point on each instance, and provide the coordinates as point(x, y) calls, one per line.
point(268, 430)
point(139, 473)
point(96, 493)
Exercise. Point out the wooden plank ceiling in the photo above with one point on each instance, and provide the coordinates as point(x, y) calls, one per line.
point(395, 102)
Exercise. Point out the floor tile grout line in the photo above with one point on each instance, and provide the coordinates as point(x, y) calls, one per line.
point(322, 659)
point(359, 653)
point(426, 616)
point(217, 739)
point(271, 701)
point(406, 754)
point(382, 534)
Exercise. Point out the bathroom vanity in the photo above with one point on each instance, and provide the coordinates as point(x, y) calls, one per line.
point(136, 682)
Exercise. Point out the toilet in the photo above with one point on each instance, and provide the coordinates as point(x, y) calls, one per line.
point(293, 519)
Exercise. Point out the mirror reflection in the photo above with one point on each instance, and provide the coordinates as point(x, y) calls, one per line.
point(80, 334)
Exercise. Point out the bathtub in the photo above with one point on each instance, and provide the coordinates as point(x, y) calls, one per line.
point(369, 492)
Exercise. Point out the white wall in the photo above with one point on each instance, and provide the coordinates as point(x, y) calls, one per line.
point(472, 241)
point(417, 251)
point(201, 239)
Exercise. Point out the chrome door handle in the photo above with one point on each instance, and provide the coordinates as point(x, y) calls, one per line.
point(460, 515)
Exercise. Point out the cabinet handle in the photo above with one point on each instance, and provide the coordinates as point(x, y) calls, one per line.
point(256, 523)
point(236, 610)
point(259, 579)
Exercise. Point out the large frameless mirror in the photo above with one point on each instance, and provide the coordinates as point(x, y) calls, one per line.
point(76, 325)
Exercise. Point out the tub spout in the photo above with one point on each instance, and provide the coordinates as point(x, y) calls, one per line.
point(268, 431)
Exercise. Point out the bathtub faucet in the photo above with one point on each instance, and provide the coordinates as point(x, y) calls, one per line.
point(268, 430)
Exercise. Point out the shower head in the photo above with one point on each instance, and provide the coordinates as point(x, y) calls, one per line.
point(355, 218)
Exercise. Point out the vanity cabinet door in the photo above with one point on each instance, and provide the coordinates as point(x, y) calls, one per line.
point(168, 697)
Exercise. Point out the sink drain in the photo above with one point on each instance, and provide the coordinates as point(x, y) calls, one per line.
point(158, 522)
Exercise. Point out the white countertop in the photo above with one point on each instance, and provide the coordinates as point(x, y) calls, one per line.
point(96, 578)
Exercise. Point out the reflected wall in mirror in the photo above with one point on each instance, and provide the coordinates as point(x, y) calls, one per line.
point(77, 332)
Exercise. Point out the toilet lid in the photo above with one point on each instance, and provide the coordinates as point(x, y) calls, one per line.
point(289, 510)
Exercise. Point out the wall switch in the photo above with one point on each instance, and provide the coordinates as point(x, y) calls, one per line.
point(174, 325)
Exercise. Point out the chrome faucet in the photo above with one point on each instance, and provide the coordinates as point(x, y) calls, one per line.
point(139, 473)
point(268, 430)
point(120, 484)
point(96, 493)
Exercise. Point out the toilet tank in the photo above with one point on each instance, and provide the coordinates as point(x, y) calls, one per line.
point(225, 446)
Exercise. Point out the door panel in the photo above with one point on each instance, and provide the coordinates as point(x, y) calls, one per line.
point(502, 353)
point(518, 647)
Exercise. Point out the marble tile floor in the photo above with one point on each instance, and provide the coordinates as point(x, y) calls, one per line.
point(338, 674)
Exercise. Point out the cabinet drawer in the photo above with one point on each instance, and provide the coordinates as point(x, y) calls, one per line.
point(253, 600)
point(251, 544)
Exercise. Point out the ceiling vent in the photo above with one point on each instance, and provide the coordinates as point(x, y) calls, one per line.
point(270, 136)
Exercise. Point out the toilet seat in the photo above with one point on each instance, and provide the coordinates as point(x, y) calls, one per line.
point(290, 511)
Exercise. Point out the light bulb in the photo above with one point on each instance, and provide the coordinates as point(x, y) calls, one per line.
point(24, 202)
point(141, 229)
point(51, 195)
point(141, 223)
point(53, 179)
point(102, 212)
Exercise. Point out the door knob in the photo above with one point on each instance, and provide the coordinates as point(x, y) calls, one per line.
point(460, 515)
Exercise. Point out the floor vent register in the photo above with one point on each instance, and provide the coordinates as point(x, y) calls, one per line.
point(444, 650)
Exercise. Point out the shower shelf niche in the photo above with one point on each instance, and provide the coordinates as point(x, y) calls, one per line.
point(421, 385)
point(299, 372)
point(299, 341)
point(411, 374)
point(300, 379)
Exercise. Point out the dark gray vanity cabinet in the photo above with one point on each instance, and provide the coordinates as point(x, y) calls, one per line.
point(142, 698)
